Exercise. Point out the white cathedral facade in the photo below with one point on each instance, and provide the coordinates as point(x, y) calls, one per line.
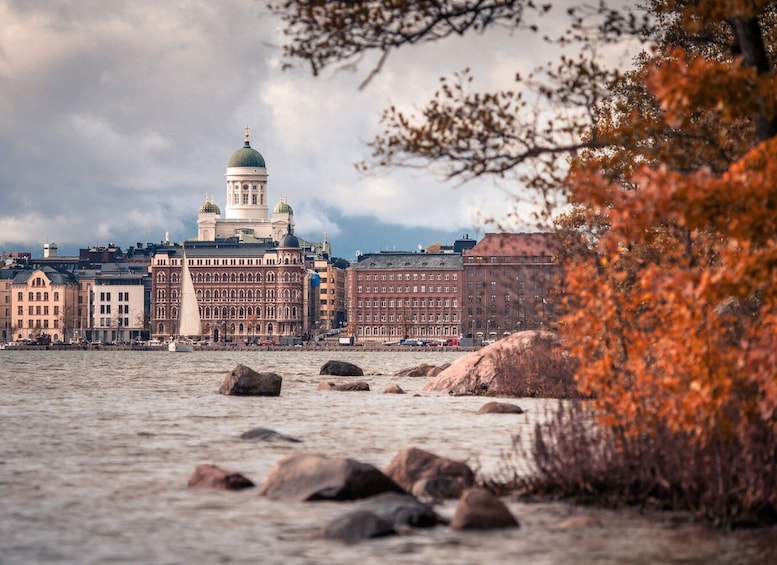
point(246, 214)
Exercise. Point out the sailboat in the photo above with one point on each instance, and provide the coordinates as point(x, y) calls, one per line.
point(188, 312)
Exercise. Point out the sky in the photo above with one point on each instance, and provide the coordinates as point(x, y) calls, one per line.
point(117, 119)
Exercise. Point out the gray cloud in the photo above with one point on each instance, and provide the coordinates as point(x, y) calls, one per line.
point(117, 118)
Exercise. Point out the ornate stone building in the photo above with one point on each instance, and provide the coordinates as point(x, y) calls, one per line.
point(245, 291)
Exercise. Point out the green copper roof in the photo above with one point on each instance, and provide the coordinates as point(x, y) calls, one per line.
point(246, 157)
point(209, 208)
point(282, 208)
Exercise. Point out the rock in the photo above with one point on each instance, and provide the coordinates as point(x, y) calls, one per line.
point(359, 386)
point(393, 389)
point(341, 369)
point(268, 435)
point(478, 509)
point(381, 515)
point(436, 489)
point(401, 510)
point(413, 464)
point(207, 475)
point(355, 526)
point(244, 381)
point(500, 408)
point(422, 370)
point(303, 477)
point(475, 372)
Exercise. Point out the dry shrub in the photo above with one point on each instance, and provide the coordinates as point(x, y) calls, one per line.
point(729, 481)
point(542, 369)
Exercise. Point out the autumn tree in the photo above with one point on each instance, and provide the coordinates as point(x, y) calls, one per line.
point(669, 168)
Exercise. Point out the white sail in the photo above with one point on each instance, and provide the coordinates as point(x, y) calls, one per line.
point(189, 314)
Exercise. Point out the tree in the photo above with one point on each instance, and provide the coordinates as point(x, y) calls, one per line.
point(671, 294)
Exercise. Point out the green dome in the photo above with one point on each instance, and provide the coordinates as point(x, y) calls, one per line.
point(209, 207)
point(282, 208)
point(246, 157)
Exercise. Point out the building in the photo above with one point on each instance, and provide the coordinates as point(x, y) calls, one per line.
point(44, 304)
point(328, 308)
point(246, 214)
point(510, 281)
point(245, 291)
point(396, 295)
point(118, 304)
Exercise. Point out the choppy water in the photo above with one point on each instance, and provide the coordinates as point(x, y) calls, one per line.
point(96, 448)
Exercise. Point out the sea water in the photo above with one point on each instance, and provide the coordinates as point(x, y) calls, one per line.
point(96, 448)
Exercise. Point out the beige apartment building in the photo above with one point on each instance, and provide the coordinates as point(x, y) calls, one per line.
point(44, 303)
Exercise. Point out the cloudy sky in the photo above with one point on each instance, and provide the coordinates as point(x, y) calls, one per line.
point(118, 117)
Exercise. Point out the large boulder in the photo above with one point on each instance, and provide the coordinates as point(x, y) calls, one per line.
point(478, 509)
point(304, 477)
point(207, 475)
point(341, 369)
point(244, 381)
point(476, 372)
point(412, 464)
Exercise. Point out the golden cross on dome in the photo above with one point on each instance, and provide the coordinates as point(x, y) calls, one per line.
point(246, 130)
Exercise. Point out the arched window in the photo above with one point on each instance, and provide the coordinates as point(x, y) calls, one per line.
point(160, 278)
point(216, 277)
point(216, 294)
point(208, 277)
point(233, 277)
point(286, 313)
point(241, 312)
point(250, 277)
point(241, 277)
point(233, 294)
point(241, 294)
point(294, 312)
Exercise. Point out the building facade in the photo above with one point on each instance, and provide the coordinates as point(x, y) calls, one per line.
point(395, 295)
point(510, 284)
point(246, 214)
point(44, 303)
point(245, 291)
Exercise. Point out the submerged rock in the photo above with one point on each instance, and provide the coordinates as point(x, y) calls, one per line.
point(500, 408)
point(267, 435)
point(359, 386)
point(244, 381)
point(341, 369)
point(478, 509)
point(207, 475)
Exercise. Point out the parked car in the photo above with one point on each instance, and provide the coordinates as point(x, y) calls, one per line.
point(267, 342)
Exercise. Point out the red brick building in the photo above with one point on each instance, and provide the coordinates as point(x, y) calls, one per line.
point(395, 295)
point(509, 283)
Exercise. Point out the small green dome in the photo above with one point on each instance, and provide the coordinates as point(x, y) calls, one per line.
point(282, 208)
point(246, 157)
point(209, 207)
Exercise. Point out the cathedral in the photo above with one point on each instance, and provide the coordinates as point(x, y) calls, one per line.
point(246, 214)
